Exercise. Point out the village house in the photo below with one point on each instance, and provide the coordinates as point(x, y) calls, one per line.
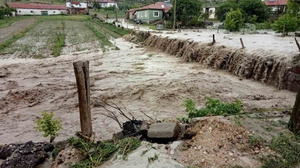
point(37, 9)
point(151, 13)
point(277, 6)
point(210, 7)
point(77, 7)
point(107, 3)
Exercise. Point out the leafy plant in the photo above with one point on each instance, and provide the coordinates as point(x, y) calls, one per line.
point(213, 107)
point(234, 20)
point(152, 159)
point(285, 24)
point(48, 125)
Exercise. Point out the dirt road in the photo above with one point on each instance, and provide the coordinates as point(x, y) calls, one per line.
point(134, 78)
point(7, 32)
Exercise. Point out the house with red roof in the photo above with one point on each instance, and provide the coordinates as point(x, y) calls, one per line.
point(38, 9)
point(77, 7)
point(151, 13)
point(277, 6)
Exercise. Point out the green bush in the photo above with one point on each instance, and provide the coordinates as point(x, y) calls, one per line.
point(234, 20)
point(48, 125)
point(213, 107)
point(286, 24)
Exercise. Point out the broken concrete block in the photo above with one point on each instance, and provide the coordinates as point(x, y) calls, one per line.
point(164, 130)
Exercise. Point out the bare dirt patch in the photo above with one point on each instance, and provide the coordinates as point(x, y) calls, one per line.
point(219, 143)
point(7, 32)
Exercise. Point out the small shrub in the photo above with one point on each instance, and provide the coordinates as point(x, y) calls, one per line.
point(255, 141)
point(48, 125)
point(234, 20)
point(288, 147)
point(127, 145)
point(286, 24)
point(213, 107)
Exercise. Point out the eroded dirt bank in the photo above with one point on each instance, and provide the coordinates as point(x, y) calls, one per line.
point(134, 78)
point(261, 65)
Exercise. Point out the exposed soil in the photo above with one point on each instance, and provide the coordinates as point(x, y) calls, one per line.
point(134, 78)
point(7, 32)
point(219, 143)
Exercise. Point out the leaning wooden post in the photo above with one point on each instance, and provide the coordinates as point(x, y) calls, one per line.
point(297, 43)
point(81, 70)
point(241, 40)
point(294, 124)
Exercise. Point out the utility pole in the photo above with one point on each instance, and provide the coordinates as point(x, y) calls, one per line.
point(174, 21)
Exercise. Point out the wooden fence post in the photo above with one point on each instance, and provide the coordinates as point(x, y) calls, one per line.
point(241, 40)
point(214, 40)
point(297, 43)
point(294, 124)
point(81, 70)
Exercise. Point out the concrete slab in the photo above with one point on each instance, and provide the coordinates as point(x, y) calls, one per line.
point(164, 130)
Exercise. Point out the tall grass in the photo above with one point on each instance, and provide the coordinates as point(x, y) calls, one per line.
point(59, 41)
point(102, 39)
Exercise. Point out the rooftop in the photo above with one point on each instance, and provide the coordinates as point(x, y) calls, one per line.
point(275, 2)
point(106, 1)
point(158, 5)
point(36, 6)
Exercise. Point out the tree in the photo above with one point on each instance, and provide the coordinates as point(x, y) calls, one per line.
point(286, 24)
point(225, 8)
point(294, 123)
point(48, 125)
point(234, 20)
point(252, 10)
point(293, 9)
point(186, 10)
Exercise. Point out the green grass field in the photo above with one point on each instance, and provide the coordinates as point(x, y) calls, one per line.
point(109, 13)
point(9, 21)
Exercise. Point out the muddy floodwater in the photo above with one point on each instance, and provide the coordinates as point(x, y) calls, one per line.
point(137, 79)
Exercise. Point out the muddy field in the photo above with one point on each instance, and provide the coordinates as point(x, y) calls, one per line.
point(78, 38)
point(37, 43)
point(15, 28)
point(135, 78)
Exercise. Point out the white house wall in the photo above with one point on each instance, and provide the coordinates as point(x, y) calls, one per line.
point(106, 5)
point(211, 11)
point(81, 5)
point(39, 11)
